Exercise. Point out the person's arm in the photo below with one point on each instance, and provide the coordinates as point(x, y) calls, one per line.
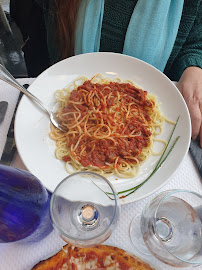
point(187, 66)
point(190, 53)
point(190, 86)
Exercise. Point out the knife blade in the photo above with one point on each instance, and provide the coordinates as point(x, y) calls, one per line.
point(10, 147)
point(3, 109)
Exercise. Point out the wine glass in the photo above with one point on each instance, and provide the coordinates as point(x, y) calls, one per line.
point(24, 207)
point(170, 228)
point(84, 209)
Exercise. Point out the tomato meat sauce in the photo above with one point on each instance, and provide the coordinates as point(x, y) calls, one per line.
point(112, 121)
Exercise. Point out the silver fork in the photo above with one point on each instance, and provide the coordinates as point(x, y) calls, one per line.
point(8, 78)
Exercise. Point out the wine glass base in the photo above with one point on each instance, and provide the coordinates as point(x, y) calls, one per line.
point(136, 236)
point(88, 216)
point(81, 211)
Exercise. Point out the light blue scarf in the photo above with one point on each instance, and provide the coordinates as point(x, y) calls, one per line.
point(151, 32)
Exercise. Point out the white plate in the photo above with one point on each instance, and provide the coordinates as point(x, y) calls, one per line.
point(32, 123)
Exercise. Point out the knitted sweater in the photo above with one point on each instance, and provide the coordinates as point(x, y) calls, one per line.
point(187, 50)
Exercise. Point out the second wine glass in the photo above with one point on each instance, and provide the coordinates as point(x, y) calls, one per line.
point(82, 210)
point(170, 228)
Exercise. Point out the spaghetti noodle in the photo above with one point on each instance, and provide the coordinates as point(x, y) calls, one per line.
point(111, 126)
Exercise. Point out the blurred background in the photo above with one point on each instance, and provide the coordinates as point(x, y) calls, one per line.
point(11, 55)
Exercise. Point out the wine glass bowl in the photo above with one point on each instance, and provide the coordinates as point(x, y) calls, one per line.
point(171, 228)
point(84, 209)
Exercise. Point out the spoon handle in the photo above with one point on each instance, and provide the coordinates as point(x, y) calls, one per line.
point(8, 78)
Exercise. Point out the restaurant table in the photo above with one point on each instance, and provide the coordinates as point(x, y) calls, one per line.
point(19, 256)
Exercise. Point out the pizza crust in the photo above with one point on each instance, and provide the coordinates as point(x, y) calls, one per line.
point(98, 257)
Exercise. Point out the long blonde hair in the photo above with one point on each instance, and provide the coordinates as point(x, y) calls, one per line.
point(66, 20)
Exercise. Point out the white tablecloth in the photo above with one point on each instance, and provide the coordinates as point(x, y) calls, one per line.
point(23, 256)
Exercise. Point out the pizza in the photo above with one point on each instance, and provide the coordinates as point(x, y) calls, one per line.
point(98, 257)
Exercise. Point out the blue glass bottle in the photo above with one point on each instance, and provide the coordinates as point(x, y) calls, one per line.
point(24, 207)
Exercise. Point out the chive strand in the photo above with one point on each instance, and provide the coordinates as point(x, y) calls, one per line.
point(156, 168)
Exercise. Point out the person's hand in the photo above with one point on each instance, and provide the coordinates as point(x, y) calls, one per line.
point(190, 86)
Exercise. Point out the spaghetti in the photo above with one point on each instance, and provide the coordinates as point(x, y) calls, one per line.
point(111, 126)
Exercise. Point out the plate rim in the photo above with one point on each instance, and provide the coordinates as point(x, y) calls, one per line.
point(114, 55)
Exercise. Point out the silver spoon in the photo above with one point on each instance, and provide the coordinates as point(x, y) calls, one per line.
point(8, 78)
